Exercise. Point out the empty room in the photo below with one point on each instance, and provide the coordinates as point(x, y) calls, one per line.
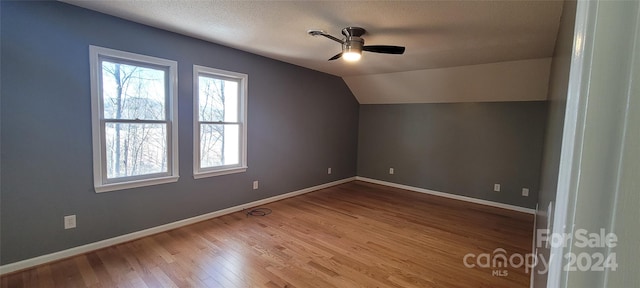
point(319, 143)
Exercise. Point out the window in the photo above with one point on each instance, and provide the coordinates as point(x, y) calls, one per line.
point(134, 119)
point(220, 130)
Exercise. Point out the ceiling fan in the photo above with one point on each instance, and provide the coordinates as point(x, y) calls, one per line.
point(353, 44)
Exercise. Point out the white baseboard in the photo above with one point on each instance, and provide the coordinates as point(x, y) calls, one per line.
point(28, 263)
point(448, 195)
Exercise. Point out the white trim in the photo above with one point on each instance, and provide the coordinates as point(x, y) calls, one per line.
point(29, 263)
point(99, 167)
point(534, 251)
point(448, 195)
point(135, 183)
point(242, 80)
point(219, 172)
point(572, 137)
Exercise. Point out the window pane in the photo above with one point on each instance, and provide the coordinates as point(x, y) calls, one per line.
point(218, 99)
point(133, 92)
point(135, 149)
point(219, 145)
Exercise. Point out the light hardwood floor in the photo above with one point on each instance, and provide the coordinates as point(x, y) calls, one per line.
point(352, 235)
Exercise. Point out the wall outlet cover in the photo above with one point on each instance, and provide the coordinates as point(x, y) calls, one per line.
point(69, 221)
point(496, 187)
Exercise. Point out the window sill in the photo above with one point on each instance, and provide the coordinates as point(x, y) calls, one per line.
point(135, 184)
point(219, 172)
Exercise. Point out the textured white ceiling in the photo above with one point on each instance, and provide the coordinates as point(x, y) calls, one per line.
point(436, 33)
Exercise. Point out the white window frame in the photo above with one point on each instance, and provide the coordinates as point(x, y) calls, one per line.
point(242, 80)
point(101, 184)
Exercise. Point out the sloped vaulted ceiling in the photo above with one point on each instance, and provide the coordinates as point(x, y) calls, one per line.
point(437, 34)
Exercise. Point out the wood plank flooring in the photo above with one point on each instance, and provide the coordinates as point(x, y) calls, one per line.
point(352, 235)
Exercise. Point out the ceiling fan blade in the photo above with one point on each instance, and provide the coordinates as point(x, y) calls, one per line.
point(314, 32)
point(387, 49)
point(337, 56)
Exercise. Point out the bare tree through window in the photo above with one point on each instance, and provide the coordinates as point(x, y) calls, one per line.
point(212, 109)
point(134, 112)
point(220, 116)
point(134, 119)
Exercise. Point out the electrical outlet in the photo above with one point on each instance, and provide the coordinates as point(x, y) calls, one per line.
point(496, 187)
point(329, 170)
point(391, 171)
point(69, 221)
point(525, 192)
point(255, 185)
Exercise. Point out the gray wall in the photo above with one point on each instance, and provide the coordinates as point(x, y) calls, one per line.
point(458, 148)
point(558, 86)
point(299, 123)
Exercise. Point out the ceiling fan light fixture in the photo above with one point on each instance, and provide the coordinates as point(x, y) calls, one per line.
point(352, 48)
point(351, 56)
